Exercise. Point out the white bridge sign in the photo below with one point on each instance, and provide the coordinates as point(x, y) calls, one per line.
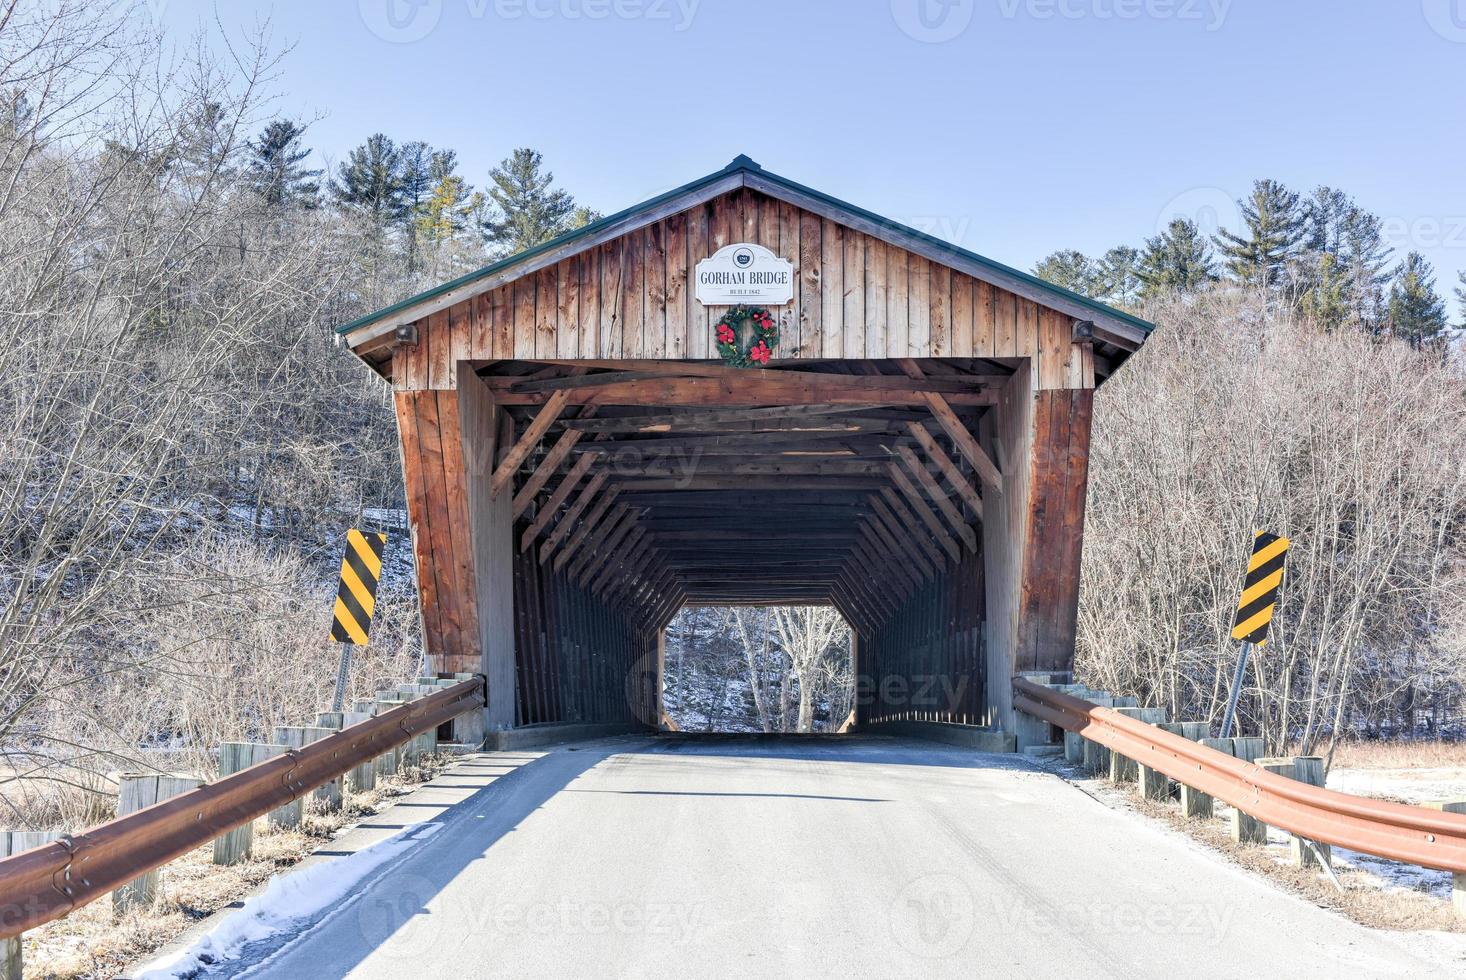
point(744, 274)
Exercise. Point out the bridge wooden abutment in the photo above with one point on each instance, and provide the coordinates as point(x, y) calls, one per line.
point(581, 460)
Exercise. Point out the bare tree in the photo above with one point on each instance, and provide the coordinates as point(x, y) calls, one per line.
point(1236, 416)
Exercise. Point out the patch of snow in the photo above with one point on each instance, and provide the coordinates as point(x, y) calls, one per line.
point(288, 900)
point(1394, 876)
point(1415, 785)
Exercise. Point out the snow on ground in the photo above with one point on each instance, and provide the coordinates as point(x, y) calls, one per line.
point(289, 900)
point(1424, 785)
point(1417, 786)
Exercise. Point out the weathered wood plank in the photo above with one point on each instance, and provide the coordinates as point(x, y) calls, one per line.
point(654, 311)
point(832, 281)
point(678, 288)
point(546, 311)
point(918, 305)
point(963, 314)
point(501, 305)
point(524, 316)
point(634, 295)
point(699, 247)
point(853, 285)
point(983, 344)
point(811, 286)
point(567, 314)
point(790, 317)
point(440, 350)
point(941, 312)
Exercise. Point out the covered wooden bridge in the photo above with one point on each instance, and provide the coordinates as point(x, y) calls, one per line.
point(582, 460)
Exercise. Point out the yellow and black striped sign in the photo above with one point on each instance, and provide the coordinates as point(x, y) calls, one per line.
point(1260, 590)
point(356, 598)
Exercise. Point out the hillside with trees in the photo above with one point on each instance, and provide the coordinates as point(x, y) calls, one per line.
point(1304, 380)
point(184, 444)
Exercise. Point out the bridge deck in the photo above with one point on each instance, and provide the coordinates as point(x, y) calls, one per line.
point(830, 857)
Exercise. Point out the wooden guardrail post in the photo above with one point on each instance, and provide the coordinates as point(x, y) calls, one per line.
point(1195, 803)
point(1096, 757)
point(1309, 769)
point(427, 742)
point(289, 816)
point(402, 755)
point(386, 763)
point(1248, 829)
point(331, 795)
point(1152, 783)
point(137, 791)
point(235, 846)
point(363, 777)
point(1123, 770)
point(14, 842)
point(1247, 748)
point(1458, 880)
point(469, 729)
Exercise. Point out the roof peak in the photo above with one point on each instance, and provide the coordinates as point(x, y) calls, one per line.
point(743, 162)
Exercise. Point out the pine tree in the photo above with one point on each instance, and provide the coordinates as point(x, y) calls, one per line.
point(1342, 273)
point(417, 188)
point(1178, 259)
point(370, 182)
point(1073, 270)
point(1327, 300)
point(1416, 314)
point(529, 210)
point(275, 166)
point(1275, 233)
point(582, 216)
point(1119, 275)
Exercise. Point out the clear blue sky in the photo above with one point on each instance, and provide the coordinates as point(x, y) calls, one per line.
point(1013, 127)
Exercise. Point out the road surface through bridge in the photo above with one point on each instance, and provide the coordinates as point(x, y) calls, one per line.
point(841, 856)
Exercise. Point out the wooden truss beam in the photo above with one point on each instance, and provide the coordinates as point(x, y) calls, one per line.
point(941, 409)
point(581, 467)
point(567, 523)
point(552, 462)
point(504, 473)
point(956, 479)
point(933, 490)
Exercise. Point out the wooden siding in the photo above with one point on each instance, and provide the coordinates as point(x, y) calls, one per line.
point(856, 297)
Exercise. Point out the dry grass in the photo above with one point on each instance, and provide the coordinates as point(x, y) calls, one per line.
point(1355, 754)
point(94, 944)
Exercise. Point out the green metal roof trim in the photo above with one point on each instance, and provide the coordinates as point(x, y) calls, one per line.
point(744, 164)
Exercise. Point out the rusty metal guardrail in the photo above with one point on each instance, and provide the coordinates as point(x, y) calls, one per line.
point(50, 881)
point(1411, 834)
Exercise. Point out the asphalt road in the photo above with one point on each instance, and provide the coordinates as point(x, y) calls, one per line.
point(834, 858)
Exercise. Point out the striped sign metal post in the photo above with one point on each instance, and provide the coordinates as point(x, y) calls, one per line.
point(1255, 609)
point(356, 600)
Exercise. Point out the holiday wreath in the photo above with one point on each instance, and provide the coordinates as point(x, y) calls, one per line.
point(759, 346)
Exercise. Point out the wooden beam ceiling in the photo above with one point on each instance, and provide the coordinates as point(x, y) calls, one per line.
point(853, 483)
